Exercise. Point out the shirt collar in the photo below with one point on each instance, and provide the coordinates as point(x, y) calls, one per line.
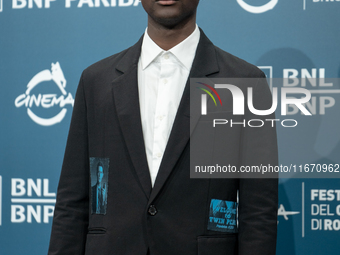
point(184, 51)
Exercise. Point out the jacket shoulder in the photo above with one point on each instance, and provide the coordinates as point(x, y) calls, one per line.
point(105, 66)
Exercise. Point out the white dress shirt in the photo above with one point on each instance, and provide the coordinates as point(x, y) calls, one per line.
point(162, 76)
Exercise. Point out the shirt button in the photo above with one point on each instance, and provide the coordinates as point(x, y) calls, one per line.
point(159, 155)
point(165, 81)
point(152, 210)
point(166, 56)
point(160, 117)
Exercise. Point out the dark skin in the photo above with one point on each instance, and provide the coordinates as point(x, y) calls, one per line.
point(170, 21)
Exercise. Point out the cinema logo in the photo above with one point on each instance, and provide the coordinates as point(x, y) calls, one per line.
point(31, 201)
point(258, 9)
point(238, 100)
point(28, 99)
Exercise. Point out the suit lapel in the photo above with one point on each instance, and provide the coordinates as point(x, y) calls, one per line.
point(125, 93)
point(205, 63)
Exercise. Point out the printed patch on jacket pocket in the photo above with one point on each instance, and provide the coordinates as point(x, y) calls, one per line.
point(99, 172)
point(223, 216)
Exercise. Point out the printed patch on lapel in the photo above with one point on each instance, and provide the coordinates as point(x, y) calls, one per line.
point(99, 173)
point(223, 216)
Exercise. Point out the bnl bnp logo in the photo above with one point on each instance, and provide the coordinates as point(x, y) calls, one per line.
point(315, 81)
point(238, 100)
point(31, 201)
point(30, 100)
point(323, 90)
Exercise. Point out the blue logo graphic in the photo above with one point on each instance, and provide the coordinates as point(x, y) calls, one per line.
point(223, 216)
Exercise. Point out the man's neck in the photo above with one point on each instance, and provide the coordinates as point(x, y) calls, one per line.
point(167, 38)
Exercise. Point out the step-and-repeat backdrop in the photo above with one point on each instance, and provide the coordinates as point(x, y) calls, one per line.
point(45, 45)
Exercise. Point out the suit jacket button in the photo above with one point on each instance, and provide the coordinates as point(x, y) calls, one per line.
point(152, 210)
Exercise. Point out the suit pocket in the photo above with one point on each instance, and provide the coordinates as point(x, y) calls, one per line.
point(97, 242)
point(96, 231)
point(217, 245)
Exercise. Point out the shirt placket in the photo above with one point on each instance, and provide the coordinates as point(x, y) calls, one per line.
point(162, 107)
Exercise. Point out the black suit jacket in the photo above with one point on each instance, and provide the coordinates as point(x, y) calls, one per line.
point(172, 217)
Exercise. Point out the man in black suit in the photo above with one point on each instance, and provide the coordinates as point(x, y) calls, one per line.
point(153, 206)
point(99, 192)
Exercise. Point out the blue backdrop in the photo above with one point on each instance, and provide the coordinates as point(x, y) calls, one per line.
point(45, 45)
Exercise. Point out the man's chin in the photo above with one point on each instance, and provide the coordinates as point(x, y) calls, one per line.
point(168, 22)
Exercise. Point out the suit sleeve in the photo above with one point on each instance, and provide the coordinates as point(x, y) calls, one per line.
point(71, 213)
point(258, 197)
